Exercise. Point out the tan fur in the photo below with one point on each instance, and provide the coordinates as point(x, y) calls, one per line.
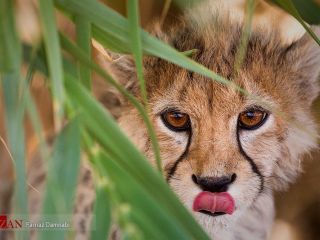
point(283, 75)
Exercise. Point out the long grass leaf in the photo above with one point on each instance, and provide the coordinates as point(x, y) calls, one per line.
point(101, 224)
point(83, 29)
point(54, 59)
point(11, 82)
point(136, 48)
point(62, 179)
point(245, 36)
point(135, 43)
point(308, 9)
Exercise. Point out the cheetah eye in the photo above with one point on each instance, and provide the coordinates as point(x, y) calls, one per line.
point(252, 119)
point(176, 121)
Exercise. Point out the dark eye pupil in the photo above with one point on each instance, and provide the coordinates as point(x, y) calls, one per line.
point(250, 114)
point(176, 121)
point(178, 118)
point(177, 115)
point(252, 119)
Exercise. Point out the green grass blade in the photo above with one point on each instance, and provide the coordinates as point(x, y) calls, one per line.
point(83, 30)
point(309, 10)
point(13, 91)
point(109, 41)
point(10, 48)
point(62, 178)
point(133, 17)
point(245, 36)
point(95, 10)
point(289, 7)
point(52, 46)
point(31, 110)
point(101, 213)
point(136, 48)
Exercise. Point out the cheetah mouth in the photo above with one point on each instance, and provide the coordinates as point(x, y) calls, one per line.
point(213, 203)
point(216, 214)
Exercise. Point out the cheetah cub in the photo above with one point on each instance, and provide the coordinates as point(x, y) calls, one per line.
point(225, 152)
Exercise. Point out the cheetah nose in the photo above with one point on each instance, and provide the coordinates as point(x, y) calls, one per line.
point(214, 184)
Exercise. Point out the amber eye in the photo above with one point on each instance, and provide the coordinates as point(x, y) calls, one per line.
point(176, 121)
point(252, 119)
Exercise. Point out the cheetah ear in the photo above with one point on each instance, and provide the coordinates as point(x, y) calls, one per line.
point(304, 58)
point(120, 66)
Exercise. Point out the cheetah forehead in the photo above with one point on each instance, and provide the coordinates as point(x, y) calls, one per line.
point(272, 67)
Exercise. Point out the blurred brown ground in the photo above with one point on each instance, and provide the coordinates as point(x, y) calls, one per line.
point(298, 211)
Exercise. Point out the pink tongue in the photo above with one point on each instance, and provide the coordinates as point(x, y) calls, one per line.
point(214, 202)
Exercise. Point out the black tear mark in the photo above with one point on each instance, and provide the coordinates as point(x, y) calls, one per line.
point(254, 167)
point(173, 169)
